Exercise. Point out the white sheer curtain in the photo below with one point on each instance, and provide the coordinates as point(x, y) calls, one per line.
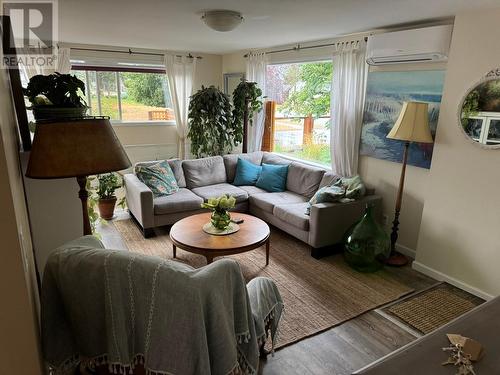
point(180, 73)
point(61, 64)
point(347, 100)
point(256, 72)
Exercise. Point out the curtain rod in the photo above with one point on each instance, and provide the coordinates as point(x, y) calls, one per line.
point(130, 52)
point(298, 47)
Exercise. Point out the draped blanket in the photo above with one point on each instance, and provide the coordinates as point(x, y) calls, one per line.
point(345, 189)
point(121, 309)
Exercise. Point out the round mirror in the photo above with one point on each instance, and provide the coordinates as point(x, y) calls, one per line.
point(480, 112)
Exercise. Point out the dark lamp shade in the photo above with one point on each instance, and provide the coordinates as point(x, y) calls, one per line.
point(75, 148)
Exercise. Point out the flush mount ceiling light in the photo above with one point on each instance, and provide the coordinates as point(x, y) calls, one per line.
point(222, 20)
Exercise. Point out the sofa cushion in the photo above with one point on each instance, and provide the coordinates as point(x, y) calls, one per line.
point(183, 200)
point(247, 173)
point(303, 179)
point(175, 165)
point(293, 214)
point(251, 190)
point(158, 177)
point(267, 201)
point(203, 172)
point(273, 177)
point(215, 191)
point(329, 178)
point(231, 160)
point(270, 158)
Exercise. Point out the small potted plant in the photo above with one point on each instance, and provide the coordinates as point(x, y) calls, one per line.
point(220, 210)
point(56, 96)
point(108, 183)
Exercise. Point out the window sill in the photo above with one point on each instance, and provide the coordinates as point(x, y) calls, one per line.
point(304, 161)
point(142, 123)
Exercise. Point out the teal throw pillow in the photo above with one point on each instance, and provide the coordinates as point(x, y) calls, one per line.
point(247, 173)
point(158, 177)
point(273, 177)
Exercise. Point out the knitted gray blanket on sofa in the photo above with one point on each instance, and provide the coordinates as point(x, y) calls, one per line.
point(121, 309)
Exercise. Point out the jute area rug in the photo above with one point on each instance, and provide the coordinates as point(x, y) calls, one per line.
point(434, 307)
point(318, 294)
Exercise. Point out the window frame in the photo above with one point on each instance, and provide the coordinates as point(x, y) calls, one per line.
point(486, 118)
point(118, 70)
point(303, 60)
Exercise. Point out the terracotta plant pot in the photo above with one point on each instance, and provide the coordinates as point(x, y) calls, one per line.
point(107, 208)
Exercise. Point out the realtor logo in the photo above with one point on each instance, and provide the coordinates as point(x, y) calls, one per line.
point(30, 39)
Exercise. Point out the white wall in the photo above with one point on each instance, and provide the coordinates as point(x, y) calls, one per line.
point(234, 63)
point(55, 213)
point(19, 345)
point(459, 235)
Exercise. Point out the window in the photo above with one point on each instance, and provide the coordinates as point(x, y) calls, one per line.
point(484, 127)
point(128, 96)
point(302, 117)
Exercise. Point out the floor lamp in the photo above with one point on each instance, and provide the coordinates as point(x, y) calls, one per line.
point(412, 125)
point(76, 148)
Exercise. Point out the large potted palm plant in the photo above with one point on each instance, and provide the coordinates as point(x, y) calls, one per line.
point(56, 96)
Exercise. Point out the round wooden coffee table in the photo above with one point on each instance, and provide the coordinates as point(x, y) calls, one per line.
point(187, 234)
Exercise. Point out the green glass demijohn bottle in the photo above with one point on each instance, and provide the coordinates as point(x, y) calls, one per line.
point(366, 244)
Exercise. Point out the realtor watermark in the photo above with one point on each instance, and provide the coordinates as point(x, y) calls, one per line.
point(29, 31)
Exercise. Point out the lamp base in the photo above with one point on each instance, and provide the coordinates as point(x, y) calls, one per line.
point(396, 260)
point(83, 195)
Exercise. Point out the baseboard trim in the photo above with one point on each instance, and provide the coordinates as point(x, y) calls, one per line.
point(406, 251)
point(435, 274)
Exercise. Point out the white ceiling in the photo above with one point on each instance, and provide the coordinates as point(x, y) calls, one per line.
point(176, 25)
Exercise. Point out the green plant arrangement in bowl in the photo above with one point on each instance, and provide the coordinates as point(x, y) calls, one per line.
point(108, 183)
point(56, 96)
point(220, 207)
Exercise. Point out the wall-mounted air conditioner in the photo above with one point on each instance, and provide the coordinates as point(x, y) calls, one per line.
point(429, 44)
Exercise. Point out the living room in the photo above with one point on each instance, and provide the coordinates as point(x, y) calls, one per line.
point(335, 318)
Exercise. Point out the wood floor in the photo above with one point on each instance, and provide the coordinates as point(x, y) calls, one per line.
point(339, 350)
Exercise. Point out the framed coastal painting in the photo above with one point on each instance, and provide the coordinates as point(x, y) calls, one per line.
point(385, 94)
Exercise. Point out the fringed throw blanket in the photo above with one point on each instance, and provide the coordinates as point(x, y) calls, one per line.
point(121, 309)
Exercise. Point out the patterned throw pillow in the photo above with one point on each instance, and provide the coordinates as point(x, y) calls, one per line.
point(158, 177)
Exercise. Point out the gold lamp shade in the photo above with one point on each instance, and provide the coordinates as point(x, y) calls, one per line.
point(75, 148)
point(412, 124)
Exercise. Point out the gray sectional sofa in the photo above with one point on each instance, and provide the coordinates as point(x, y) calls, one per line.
point(200, 179)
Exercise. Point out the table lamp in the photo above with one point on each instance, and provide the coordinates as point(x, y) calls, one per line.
point(76, 148)
point(412, 125)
